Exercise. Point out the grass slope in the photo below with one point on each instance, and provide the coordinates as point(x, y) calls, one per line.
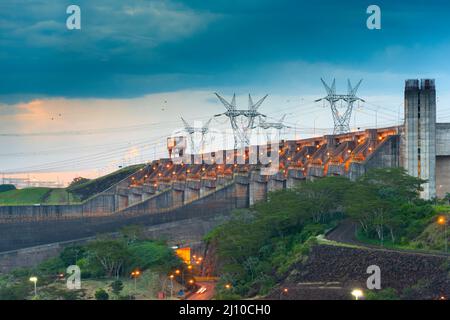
point(75, 194)
point(30, 196)
point(89, 188)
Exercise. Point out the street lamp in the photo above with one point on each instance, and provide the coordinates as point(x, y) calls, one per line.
point(171, 285)
point(135, 274)
point(357, 293)
point(284, 291)
point(443, 222)
point(178, 272)
point(34, 280)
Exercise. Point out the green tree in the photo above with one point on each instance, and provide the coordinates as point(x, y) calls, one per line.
point(117, 287)
point(101, 294)
point(113, 255)
point(132, 233)
point(70, 255)
point(7, 187)
point(447, 198)
point(378, 199)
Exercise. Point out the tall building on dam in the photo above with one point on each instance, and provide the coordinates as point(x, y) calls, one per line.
point(167, 190)
point(425, 144)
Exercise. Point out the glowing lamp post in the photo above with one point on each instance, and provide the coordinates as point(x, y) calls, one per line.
point(442, 220)
point(171, 285)
point(34, 280)
point(135, 274)
point(357, 293)
point(283, 292)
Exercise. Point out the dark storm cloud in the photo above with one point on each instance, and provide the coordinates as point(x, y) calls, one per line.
point(130, 48)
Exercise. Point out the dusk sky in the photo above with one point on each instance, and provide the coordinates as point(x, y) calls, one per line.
point(83, 102)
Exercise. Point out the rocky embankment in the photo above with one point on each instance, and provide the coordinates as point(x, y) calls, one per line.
point(332, 272)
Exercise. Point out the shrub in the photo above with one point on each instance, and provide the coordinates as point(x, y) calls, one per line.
point(384, 294)
point(116, 287)
point(7, 187)
point(101, 294)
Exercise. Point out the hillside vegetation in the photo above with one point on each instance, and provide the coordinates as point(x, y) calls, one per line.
point(31, 196)
point(258, 247)
point(90, 188)
point(106, 264)
point(76, 193)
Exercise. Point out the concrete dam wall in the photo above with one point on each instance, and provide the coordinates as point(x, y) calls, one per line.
point(24, 234)
point(167, 191)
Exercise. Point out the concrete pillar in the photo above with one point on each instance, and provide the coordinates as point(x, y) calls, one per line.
point(134, 195)
point(223, 180)
point(276, 182)
point(192, 190)
point(164, 185)
point(315, 170)
point(331, 142)
point(420, 133)
point(121, 199)
point(208, 185)
point(178, 193)
point(147, 191)
point(241, 190)
point(257, 187)
point(294, 176)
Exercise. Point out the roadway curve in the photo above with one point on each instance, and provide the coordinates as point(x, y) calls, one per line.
point(207, 295)
point(345, 233)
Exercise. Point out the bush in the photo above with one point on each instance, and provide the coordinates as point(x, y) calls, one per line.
point(148, 254)
point(17, 291)
point(52, 266)
point(7, 187)
point(116, 287)
point(70, 255)
point(101, 294)
point(384, 294)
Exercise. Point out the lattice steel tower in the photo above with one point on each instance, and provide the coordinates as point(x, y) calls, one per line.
point(241, 129)
point(195, 134)
point(341, 105)
point(277, 125)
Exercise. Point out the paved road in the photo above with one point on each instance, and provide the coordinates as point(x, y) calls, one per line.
point(207, 295)
point(345, 233)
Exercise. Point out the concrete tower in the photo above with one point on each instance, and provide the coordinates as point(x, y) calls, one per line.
point(420, 133)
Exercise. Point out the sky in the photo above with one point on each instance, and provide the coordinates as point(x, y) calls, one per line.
point(84, 102)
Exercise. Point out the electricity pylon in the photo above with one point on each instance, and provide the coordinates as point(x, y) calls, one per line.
point(341, 114)
point(278, 125)
point(193, 135)
point(241, 129)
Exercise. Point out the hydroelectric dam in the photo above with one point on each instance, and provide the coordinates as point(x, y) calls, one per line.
point(167, 190)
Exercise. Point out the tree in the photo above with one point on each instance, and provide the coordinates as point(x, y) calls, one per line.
point(78, 181)
point(111, 254)
point(70, 255)
point(7, 187)
point(116, 287)
point(101, 294)
point(132, 233)
point(377, 201)
point(447, 198)
point(394, 183)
